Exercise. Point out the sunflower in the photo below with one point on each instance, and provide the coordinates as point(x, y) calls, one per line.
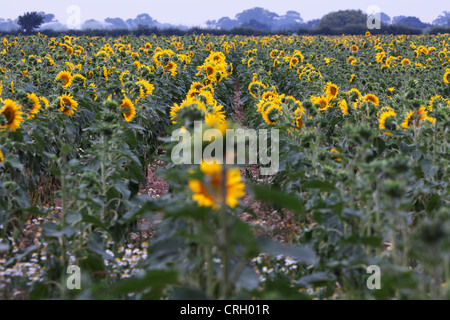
point(45, 101)
point(105, 73)
point(406, 62)
point(372, 98)
point(36, 105)
point(274, 53)
point(293, 62)
point(131, 112)
point(148, 87)
point(255, 87)
point(352, 77)
point(197, 86)
point(343, 106)
point(298, 114)
point(414, 118)
point(332, 91)
point(12, 114)
point(322, 101)
point(210, 72)
point(67, 105)
point(2, 159)
point(355, 48)
point(272, 113)
point(209, 193)
point(354, 95)
point(172, 67)
point(352, 60)
point(447, 77)
point(334, 156)
point(384, 116)
point(437, 101)
point(66, 77)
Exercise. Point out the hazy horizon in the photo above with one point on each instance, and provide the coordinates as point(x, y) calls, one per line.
point(197, 12)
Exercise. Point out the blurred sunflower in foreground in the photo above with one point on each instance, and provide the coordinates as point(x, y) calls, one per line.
point(209, 191)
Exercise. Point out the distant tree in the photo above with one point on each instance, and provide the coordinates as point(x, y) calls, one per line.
point(443, 19)
point(48, 17)
point(339, 19)
point(261, 15)
point(117, 23)
point(254, 24)
point(226, 23)
point(385, 19)
point(291, 20)
point(312, 24)
point(412, 22)
point(397, 19)
point(30, 21)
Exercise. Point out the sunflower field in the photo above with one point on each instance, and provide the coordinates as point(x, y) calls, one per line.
point(87, 179)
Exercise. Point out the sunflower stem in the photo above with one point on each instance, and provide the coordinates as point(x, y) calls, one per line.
point(224, 246)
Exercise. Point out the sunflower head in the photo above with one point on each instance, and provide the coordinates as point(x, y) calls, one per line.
point(12, 115)
point(447, 77)
point(67, 104)
point(66, 78)
point(387, 120)
point(208, 192)
point(371, 98)
point(332, 91)
point(35, 105)
point(406, 62)
point(130, 112)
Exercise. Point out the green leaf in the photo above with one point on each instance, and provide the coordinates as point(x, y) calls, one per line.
point(52, 230)
point(19, 257)
point(315, 280)
point(154, 282)
point(302, 254)
point(432, 203)
point(282, 199)
point(323, 186)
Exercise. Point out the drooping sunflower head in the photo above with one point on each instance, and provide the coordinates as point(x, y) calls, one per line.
point(354, 95)
point(36, 105)
point(371, 98)
point(343, 106)
point(272, 113)
point(415, 118)
point(386, 120)
point(171, 67)
point(66, 78)
point(12, 115)
point(67, 104)
point(130, 112)
point(292, 103)
point(447, 77)
point(436, 102)
point(255, 88)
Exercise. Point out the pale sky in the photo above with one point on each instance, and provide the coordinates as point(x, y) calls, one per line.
point(197, 12)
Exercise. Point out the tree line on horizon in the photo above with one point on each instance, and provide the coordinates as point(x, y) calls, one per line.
point(253, 21)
